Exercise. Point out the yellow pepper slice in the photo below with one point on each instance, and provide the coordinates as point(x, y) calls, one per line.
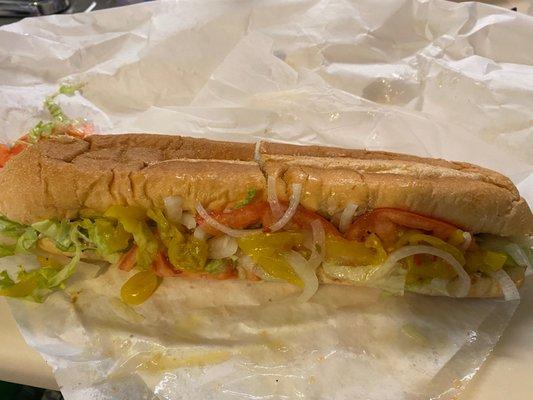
point(20, 289)
point(49, 262)
point(373, 242)
point(484, 261)
point(415, 238)
point(268, 250)
point(190, 255)
point(457, 238)
point(133, 220)
point(428, 267)
point(348, 252)
point(139, 287)
point(494, 260)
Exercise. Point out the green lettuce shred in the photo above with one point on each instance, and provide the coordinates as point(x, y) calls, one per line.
point(26, 241)
point(215, 266)
point(247, 200)
point(37, 284)
point(25, 237)
point(108, 236)
point(59, 118)
point(7, 250)
point(58, 231)
point(10, 228)
point(501, 245)
point(5, 280)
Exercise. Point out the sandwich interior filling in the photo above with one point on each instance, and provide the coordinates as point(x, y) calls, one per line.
point(259, 240)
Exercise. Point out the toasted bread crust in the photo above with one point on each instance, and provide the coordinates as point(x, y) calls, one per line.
point(169, 147)
point(473, 198)
point(58, 177)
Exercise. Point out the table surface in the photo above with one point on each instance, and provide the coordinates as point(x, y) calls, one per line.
point(507, 374)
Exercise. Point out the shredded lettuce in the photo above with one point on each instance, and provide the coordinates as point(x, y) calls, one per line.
point(59, 118)
point(40, 130)
point(7, 250)
point(430, 285)
point(502, 245)
point(55, 110)
point(247, 200)
point(36, 284)
point(215, 266)
point(10, 228)
point(5, 280)
point(26, 241)
point(58, 231)
point(69, 89)
point(25, 236)
point(109, 237)
point(529, 253)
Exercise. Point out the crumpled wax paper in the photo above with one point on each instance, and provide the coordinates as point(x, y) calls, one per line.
point(430, 78)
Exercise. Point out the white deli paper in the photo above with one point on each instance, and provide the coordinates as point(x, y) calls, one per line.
point(430, 78)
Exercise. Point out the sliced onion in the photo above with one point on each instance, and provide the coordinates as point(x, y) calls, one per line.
point(347, 217)
point(209, 220)
point(336, 218)
point(509, 290)
point(468, 240)
point(365, 276)
point(293, 206)
point(319, 235)
point(221, 247)
point(173, 208)
point(407, 251)
point(200, 234)
point(272, 197)
point(188, 220)
point(518, 255)
point(257, 152)
point(319, 240)
point(246, 263)
point(306, 273)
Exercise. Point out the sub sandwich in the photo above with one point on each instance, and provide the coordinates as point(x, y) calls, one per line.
point(172, 207)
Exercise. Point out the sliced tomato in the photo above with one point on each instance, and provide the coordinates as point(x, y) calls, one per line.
point(80, 131)
point(162, 267)
point(127, 261)
point(303, 218)
point(242, 218)
point(5, 154)
point(386, 222)
point(260, 212)
point(250, 277)
point(18, 147)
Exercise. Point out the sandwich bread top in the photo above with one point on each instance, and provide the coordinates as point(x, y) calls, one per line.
point(56, 178)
